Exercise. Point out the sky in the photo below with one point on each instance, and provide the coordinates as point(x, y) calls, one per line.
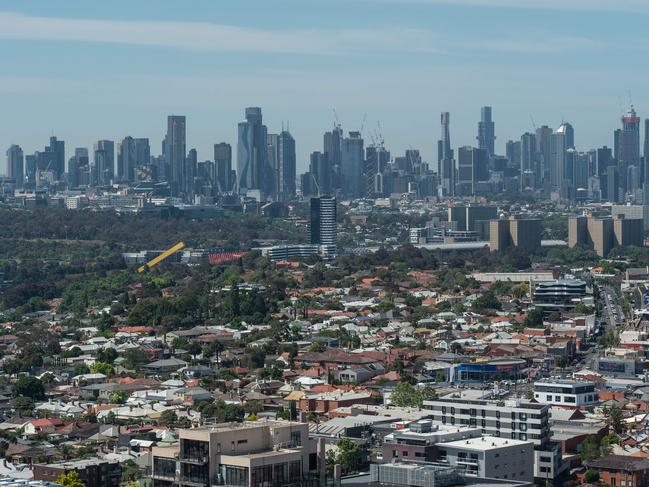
point(88, 70)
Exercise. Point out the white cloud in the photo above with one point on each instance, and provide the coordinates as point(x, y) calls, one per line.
point(214, 37)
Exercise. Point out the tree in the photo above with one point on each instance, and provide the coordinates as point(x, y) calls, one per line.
point(349, 455)
point(614, 419)
point(29, 386)
point(70, 479)
point(562, 361)
point(591, 476)
point(589, 449)
point(534, 319)
point(168, 417)
point(407, 395)
point(102, 368)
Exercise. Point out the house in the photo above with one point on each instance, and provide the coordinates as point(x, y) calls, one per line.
point(165, 366)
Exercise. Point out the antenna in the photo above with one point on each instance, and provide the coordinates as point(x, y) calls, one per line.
point(630, 99)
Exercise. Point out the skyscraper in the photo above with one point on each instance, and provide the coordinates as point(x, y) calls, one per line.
point(222, 178)
point(446, 164)
point(529, 168)
point(320, 172)
point(52, 159)
point(104, 162)
point(286, 162)
point(543, 134)
point(560, 141)
point(486, 131)
point(323, 222)
point(627, 146)
point(79, 168)
point(513, 153)
point(252, 154)
point(191, 167)
point(332, 149)
point(15, 165)
point(352, 164)
point(175, 151)
point(126, 159)
point(473, 166)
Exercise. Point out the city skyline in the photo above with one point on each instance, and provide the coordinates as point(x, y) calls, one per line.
point(397, 61)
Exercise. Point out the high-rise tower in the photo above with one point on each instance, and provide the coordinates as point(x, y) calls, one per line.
point(486, 131)
point(175, 152)
point(446, 164)
point(252, 153)
point(627, 146)
point(15, 165)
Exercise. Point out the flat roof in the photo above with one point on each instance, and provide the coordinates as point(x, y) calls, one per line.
point(484, 443)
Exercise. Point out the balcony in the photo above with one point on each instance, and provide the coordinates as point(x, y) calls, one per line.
point(164, 476)
point(195, 459)
point(192, 481)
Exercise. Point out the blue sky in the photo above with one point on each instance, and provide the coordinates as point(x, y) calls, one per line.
point(87, 70)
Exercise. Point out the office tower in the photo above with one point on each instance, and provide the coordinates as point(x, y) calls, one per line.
point(323, 228)
point(126, 159)
point(543, 134)
point(78, 168)
point(15, 165)
point(580, 169)
point(560, 141)
point(191, 166)
point(376, 160)
point(320, 174)
point(529, 172)
point(627, 146)
point(486, 131)
point(612, 184)
point(252, 154)
point(175, 151)
point(473, 166)
point(332, 149)
point(513, 153)
point(52, 159)
point(222, 178)
point(142, 152)
point(104, 162)
point(524, 234)
point(31, 164)
point(446, 164)
point(272, 159)
point(286, 166)
point(352, 165)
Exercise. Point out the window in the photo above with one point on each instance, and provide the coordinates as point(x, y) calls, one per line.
point(484, 423)
point(513, 425)
point(523, 426)
point(523, 436)
point(569, 399)
point(473, 412)
point(242, 442)
point(513, 415)
point(557, 398)
point(522, 416)
point(498, 424)
point(296, 438)
point(405, 453)
point(452, 410)
point(482, 413)
point(513, 435)
point(443, 419)
point(443, 409)
point(548, 397)
point(452, 419)
point(498, 414)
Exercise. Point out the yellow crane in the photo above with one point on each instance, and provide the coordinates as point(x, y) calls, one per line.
point(156, 260)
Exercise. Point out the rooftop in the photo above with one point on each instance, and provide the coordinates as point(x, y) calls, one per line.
point(485, 443)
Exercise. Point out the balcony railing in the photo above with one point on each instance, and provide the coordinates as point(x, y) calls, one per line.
point(196, 459)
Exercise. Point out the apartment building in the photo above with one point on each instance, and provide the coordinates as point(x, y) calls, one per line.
point(569, 393)
point(490, 457)
point(249, 454)
point(419, 441)
point(515, 420)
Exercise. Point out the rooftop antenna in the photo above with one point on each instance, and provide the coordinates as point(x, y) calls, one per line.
point(630, 99)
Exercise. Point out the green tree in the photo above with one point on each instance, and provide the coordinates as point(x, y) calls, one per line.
point(29, 386)
point(534, 319)
point(168, 417)
point(591, 476)
point(102, 368)
point(70, 479)
point(614, 418)
point(349, 455)
point(589, 449)
point(407, 395)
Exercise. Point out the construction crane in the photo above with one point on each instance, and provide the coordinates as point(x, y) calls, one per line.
point(156, 260)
